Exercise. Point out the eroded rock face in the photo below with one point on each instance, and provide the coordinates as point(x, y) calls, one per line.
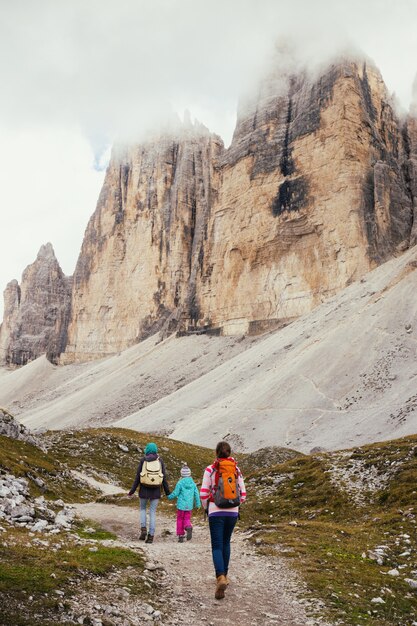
point(142, 248)
point(410, 139)
point(315, 190)
point(318, 187)
point(10, 427)
point(313, 195)
point(36, 312)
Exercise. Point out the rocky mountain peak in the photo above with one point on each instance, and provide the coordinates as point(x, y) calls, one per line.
point(318, 186)
point(46, 251)
point(36, 311)
point(313, 192)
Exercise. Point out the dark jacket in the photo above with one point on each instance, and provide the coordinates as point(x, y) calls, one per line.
point(145, 491)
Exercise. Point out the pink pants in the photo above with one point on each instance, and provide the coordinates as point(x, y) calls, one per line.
point(183, 521)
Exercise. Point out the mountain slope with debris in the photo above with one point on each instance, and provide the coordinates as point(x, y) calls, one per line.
point(343, 375)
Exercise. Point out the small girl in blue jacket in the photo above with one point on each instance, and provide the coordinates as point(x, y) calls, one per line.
point(186, 491)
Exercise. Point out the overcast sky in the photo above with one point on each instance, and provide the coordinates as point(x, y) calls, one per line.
point(76, 74)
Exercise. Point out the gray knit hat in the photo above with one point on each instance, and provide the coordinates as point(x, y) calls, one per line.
point(185, 470)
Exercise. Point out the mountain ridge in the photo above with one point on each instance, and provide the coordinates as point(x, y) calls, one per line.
point(340, 376)
point(318, 187)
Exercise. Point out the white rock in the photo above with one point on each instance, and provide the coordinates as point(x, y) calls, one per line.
point(149, 565)
point(411, 582)
point(61, 519)
point(123, 448)
point(393, 572)
point(378, 601)
point(40, 525)
point(22, 510)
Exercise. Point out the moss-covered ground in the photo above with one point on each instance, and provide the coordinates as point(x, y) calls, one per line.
point(25, 460)
point(38, 576)
point(332, 525)
point(296, 510)
point(98, 452)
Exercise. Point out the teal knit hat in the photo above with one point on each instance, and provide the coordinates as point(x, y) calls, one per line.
point(151, 448)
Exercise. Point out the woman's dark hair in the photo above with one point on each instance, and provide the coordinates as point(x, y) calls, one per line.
point(223, 450)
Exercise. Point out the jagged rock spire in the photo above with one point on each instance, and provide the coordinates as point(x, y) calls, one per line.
point(36, 312)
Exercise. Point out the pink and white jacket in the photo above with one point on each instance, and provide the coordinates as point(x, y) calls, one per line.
point(208, 488)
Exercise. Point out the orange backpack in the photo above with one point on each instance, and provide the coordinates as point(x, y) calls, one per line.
point(226, 491)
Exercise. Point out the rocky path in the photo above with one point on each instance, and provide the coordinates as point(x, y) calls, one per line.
point(262, 592)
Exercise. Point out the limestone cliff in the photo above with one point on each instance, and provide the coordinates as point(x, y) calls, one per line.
point(410, 140)
point(312, 195)
point(36, 312)
point(140, 255)
point(313, 192)
point(318, 187)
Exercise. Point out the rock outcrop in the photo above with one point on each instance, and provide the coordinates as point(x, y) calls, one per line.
point(142, 247)
point(36, 312)
point(10, 427)
point(313, 192)
point(313, 195)
point(410, 140)
point(318, 187)
point(18, 508)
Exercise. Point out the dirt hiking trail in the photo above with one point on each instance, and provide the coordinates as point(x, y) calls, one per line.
point(262, 591)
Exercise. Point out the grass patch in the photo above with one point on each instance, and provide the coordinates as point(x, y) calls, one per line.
point(265, 457)
point(298, 506)
point(31, 573)
point(97, 452)
point(28, 461)
point(89, 529)
point(331, 537)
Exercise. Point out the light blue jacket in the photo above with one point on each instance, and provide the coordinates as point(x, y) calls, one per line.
point(186, 491)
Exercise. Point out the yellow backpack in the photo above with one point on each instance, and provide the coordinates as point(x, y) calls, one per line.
point(151, 473)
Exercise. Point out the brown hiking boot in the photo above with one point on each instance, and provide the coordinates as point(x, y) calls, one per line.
point(227, 579)
point(149, 539)
point(221, 585)
point(143, 533)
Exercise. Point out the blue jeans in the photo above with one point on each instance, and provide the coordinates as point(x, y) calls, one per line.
point(221, 529)
point(152, 513)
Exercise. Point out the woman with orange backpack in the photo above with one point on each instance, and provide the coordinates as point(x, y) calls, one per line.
point(221, 494)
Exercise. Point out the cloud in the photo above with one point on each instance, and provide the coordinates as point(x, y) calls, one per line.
point(48, 190)
point(116, 68)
